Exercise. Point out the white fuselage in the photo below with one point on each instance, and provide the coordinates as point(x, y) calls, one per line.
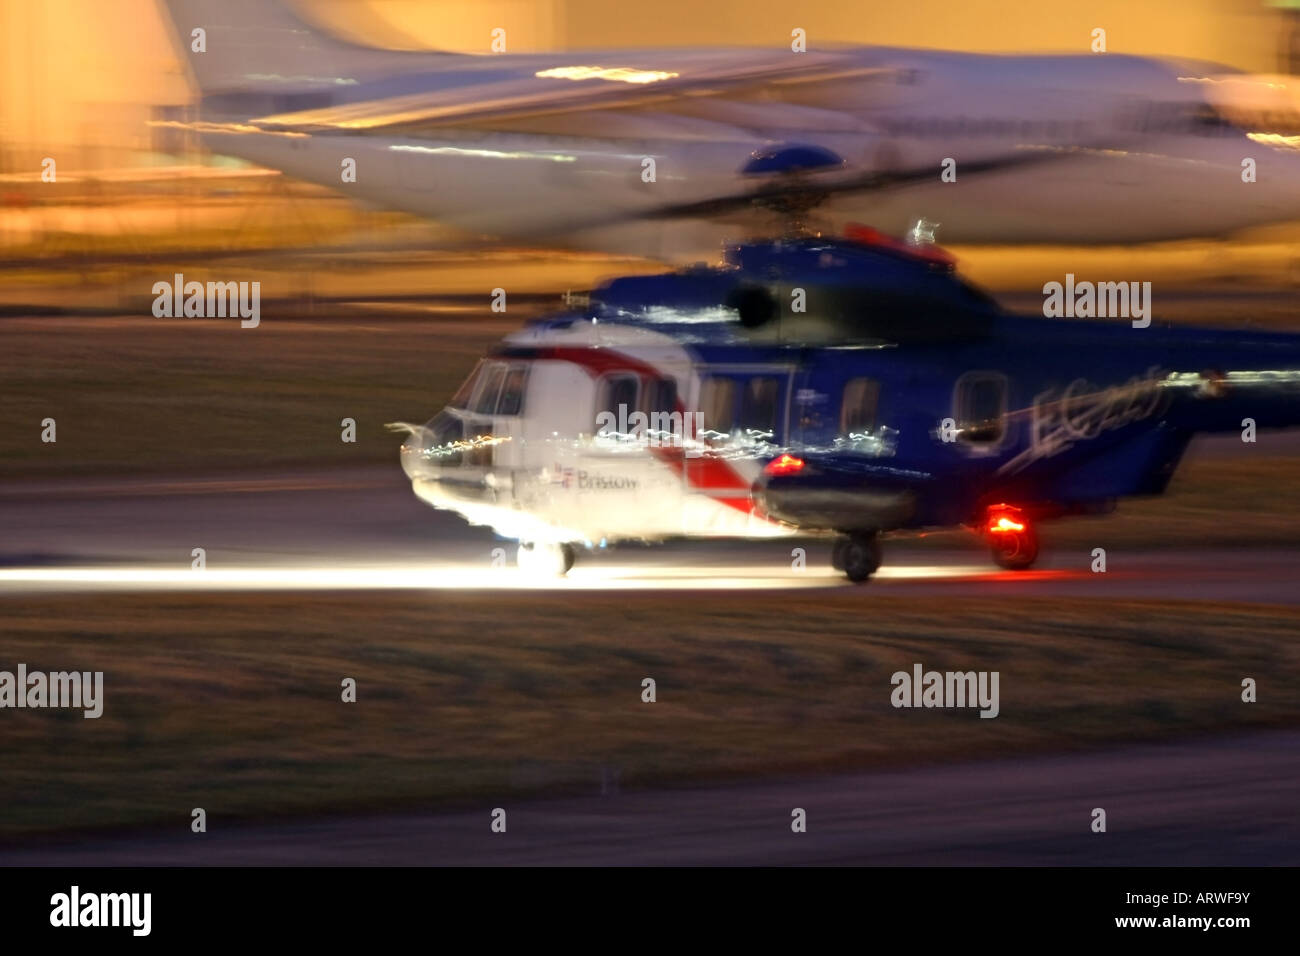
point(552, 473)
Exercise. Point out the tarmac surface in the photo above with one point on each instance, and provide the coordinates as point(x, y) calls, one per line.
point(364, 529)
point(1227, 801)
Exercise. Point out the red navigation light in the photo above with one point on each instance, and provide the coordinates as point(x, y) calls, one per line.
point(1005, 524)
point(1004, 519)
point(785, 465)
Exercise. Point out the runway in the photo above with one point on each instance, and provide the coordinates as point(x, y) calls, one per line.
point(1208, 801)
point(363, 529)
point(1223, 802)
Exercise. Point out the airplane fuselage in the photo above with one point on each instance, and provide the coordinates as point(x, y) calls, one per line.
point(1136, 152)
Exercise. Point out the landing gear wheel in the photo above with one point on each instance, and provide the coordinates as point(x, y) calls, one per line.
point(857, 555)
point(545, 560)
point(1015, 550)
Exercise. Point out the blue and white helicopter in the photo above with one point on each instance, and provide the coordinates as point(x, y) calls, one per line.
point(812, 386)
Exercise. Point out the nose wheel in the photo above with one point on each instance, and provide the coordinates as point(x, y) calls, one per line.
point(545, 560)
point(857, 555)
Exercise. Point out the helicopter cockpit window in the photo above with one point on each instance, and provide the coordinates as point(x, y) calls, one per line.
point(443, 445)
point(718, 404)
point(512, 391)
point(759, 405)
point(980, 407)
point(489, 387)
point(466, 390)
point(858, 411)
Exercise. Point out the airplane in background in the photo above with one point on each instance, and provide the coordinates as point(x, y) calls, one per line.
point(815, 386)
point(555, 149)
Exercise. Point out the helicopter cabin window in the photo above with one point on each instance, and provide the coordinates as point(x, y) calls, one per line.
point(512, 391)
point(980, 407)
point(858, 410)
point(718, 404)
point(617, 395)
point(659, 402)
point(759, 405)
point(661, 395)
point(489, 387)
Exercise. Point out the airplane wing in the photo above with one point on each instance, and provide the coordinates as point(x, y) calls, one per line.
point(679, 83)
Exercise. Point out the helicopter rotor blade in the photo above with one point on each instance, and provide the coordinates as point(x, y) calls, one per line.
point(869, 182)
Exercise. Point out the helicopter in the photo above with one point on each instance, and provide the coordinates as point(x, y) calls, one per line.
point(850, 387)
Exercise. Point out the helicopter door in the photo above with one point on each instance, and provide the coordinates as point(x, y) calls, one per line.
point(671, 431)
point(507, 424)
point(837, 406)
point(746, 408)
point(745, 421)
point(642, 411)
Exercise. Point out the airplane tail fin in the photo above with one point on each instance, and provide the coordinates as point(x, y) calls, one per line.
point(237, 46)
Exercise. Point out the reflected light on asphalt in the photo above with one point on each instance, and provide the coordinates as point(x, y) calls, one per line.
point(443, 577)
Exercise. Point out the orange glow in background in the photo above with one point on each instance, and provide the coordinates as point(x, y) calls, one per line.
point(81, 76)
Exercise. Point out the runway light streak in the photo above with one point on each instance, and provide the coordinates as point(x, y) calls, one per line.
point(458, 577)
